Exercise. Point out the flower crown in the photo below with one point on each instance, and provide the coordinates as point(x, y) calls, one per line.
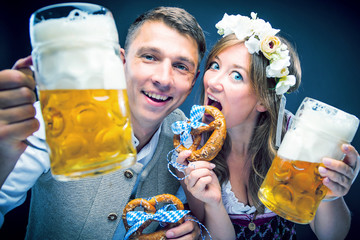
point(260, 36)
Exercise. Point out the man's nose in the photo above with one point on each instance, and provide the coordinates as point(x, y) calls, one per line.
point(163, 76)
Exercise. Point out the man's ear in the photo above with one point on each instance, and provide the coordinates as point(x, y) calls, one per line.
point(122, 55)
point(260, 107)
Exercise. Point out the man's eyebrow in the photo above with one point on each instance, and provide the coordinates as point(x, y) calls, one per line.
point(188, 60)
point(147, 49)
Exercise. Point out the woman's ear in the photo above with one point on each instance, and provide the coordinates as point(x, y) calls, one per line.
point(260, 107)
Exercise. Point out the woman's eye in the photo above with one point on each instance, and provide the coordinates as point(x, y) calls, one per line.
point(214, 65)
point(236, 76)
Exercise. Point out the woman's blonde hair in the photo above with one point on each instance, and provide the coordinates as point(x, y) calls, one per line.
point(261, 150)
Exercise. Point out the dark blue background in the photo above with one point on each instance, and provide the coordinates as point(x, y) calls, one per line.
point(325, 32)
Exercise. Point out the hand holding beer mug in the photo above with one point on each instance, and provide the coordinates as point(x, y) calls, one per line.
point(82, 90)
point(293, 187)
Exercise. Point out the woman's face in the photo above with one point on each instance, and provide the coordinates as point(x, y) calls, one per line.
point(228, 86)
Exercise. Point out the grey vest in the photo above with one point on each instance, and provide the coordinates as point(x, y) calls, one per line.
point(92, 208)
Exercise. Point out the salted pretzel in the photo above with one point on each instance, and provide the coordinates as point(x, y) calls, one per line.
point(150, 207)
point(213, 145)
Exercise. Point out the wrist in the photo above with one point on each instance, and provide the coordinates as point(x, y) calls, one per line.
point(214, 205)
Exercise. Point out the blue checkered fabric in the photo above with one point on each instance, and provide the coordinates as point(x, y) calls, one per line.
point(173, 155)
point(183, 128)
point(167, 214)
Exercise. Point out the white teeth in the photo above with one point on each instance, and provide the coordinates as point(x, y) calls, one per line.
point(156, 96)
point(212, 98)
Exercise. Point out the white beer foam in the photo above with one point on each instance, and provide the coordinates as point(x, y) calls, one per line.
point(66, 45)
point(335, 127)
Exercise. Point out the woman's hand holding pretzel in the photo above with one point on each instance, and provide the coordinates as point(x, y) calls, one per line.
point(201, 180)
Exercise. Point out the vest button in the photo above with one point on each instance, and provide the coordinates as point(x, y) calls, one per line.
point(128, 174)
point(112, 216)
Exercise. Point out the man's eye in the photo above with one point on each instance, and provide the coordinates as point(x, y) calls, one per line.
point(149, 57)
point(214, 65)
point(181, 67)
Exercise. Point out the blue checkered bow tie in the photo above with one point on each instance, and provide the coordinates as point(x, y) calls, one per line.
point(166, 214)
point(184, 127)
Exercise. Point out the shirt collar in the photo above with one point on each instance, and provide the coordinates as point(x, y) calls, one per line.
point(146, 153)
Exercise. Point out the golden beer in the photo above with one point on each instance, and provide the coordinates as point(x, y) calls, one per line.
point(293, 189)
point(87, 131)
point(82, 89)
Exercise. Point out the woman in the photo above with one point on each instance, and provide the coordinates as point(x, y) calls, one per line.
point(247, 73)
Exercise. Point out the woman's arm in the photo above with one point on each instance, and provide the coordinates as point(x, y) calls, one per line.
point(196, 205)
point(332, 220)
point(217, 219)
point(203, 193)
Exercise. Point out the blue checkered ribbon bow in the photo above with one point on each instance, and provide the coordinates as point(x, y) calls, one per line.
point(166, 214)
point(183, 128)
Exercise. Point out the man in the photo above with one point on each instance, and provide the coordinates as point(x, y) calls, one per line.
point(163, 50)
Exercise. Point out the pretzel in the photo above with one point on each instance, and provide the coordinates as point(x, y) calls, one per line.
point(213, 145)
point(150, 207)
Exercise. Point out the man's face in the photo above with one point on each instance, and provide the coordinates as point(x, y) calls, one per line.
point(160, 68)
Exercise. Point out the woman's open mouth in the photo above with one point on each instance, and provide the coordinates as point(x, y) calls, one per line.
point(212, 102)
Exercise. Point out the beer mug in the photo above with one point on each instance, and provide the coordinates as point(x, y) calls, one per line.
point(293, 187)
point(82, 90)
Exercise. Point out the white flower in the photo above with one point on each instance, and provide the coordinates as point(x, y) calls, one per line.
point(253, 45)
point(253, 15)
point(233, 24)
point(278, 68)
point(280, 53)
point(279, 61)
point(263, 29)
point(284, 84)
point(254, 32)
point(283, 47)
point(276, 73)
point(242, 30)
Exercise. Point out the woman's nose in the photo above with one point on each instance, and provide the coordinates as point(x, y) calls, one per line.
point(215, 82)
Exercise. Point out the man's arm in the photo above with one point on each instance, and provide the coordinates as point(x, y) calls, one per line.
point(17, 114)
